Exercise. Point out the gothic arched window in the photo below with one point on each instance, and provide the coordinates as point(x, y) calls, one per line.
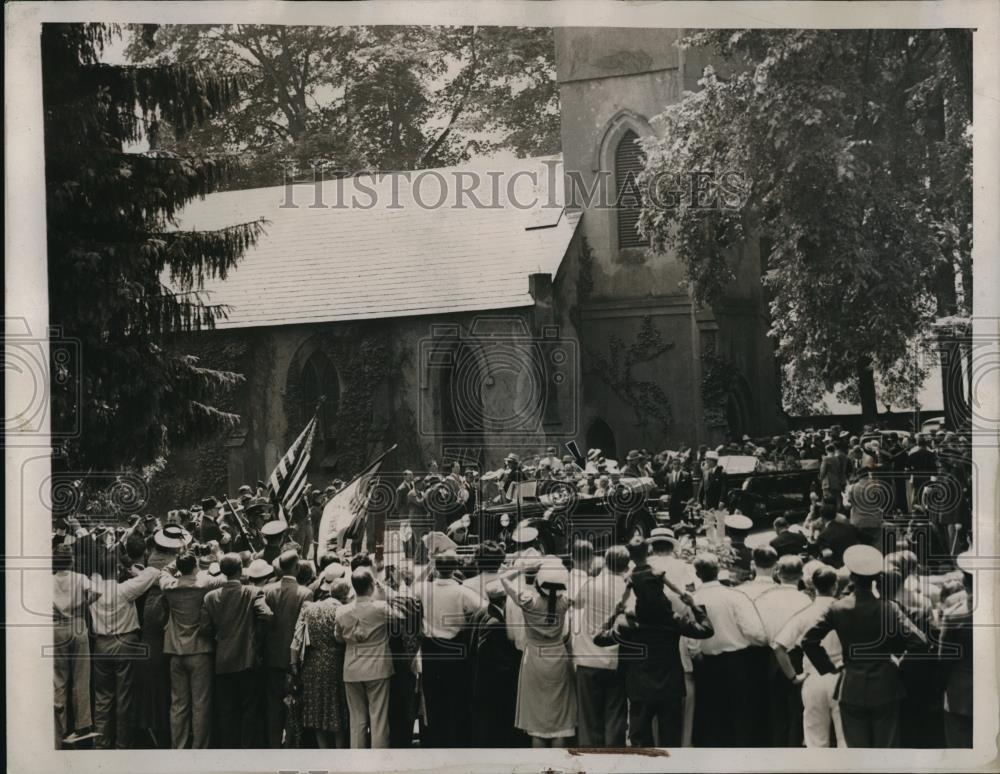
point(319, 379)
point(628, 165)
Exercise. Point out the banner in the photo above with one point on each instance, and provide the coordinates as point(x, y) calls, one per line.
point(346, 513)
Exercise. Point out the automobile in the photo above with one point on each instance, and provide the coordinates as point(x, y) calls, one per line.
point(561, 514)
point(765, 495)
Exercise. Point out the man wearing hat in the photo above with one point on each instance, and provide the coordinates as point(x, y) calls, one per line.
point(191, 652)
point(551, 459)
point(285, 597)
point(834, 470)
point(275, 534)
point(714, 484)
point(872, 631)
point(208, 527)
point(230, 615)
point(662, 558)
point(738, 529)
point(634, 464)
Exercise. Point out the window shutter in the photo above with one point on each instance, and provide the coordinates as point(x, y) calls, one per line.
point(628, 165)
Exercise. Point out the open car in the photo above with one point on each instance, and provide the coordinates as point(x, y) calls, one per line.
point(561, 514)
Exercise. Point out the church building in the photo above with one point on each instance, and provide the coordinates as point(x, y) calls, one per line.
point(467, 332)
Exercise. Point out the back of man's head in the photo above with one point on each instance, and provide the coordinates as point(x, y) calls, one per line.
point(824, 580)
point(790, 569)
point(363, 581)
point(764, 557)
point(288, 562)
point(616, 559)
point(828, 512)
point(187, 563)
point(706, 567)
point(231, 566)
point(780, 524)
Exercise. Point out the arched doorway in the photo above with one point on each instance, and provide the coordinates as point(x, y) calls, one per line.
point(601, 436)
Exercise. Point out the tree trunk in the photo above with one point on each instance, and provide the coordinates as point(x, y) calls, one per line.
point(866, 390)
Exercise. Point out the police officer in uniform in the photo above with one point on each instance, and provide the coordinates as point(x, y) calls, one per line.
point(872, 631)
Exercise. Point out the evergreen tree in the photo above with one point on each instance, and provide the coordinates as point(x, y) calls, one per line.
point(122, 279)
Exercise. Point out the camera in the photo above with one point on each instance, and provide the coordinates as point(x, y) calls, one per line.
point(498, 379)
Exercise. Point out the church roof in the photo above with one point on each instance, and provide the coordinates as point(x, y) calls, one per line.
point(391, 257)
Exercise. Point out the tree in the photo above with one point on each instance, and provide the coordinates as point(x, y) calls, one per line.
point(121, 279)
point(363, 98)
point(850, 151)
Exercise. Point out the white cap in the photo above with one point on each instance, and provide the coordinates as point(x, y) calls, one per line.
point(738, 521)
point(711, 455)
point(863, 560)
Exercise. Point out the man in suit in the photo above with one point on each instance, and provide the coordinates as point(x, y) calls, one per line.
point(676, 482)
point(285, 597)
point(230, 614)
point(786, 542)
point(834, 469)
point(191, 652)
point(649, 656)
point(872, 632)
point(836, 536)
point(368, 667)
point(404, 491)
point(921, 464)
point(714, 486)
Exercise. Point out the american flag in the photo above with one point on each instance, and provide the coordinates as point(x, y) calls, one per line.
point(288, 478)
point(346, 513)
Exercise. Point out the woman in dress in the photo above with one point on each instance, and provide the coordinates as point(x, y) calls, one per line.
point(546, 690)
point(318, 663)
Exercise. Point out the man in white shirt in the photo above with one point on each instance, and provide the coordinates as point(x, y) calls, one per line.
point(776, 606)
point(722, 680)
point(819, 705)
point(447, 605)
point(116, 649)
point(600, 690)
point(763, 558)
point(662, 545)
point(72, 593)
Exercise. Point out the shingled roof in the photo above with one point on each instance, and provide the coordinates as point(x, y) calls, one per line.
point(393, 259)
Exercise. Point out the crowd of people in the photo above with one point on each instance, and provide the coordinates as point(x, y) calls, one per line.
point(221, 625)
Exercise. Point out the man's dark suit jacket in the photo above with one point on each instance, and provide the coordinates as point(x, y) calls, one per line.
point(230, 614)
point(789, 543)
point(285, 597)
point(714, 489)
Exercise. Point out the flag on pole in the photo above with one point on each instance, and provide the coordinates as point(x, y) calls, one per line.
point(346, 513)
point(288, 478)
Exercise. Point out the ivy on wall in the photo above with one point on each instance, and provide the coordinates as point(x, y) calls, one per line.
point(717, 373)
point(646, 399)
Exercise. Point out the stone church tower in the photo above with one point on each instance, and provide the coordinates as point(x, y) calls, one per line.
point(655, 370)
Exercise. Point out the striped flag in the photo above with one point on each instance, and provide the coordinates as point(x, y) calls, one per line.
point(346, 513)
point(288, 478)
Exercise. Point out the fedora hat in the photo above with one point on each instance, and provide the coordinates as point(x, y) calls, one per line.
point(634, 455)
point(258, 569)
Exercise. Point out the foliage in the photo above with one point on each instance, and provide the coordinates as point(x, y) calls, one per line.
point(851, 151)
point(717, 373)
point(646, 398)
point(365, 98)
point(111, 249)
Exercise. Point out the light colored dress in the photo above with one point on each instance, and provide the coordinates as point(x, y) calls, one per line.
point(321, 660)
point(546, 689)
